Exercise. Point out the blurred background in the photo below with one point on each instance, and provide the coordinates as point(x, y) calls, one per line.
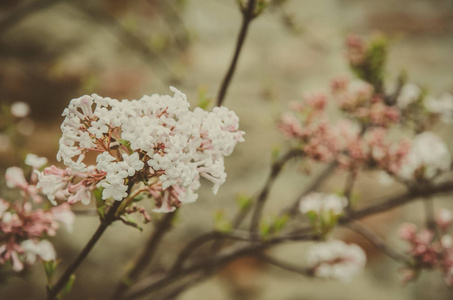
point(54, 50)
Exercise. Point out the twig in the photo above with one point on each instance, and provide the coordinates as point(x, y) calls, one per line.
point(286, 266)
point(149, 285)
point(247, 17)
point(174, 292)
point(52, 292)
point(21, 13)
point(397, 201)
point(428, 205)
point(378, 242)
point(262, 197)
point(147, 255)
point(315, 184)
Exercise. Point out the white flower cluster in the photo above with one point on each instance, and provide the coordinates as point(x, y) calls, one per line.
point(409, 94)
point(164, 139)
point(323, 203)
point(443, 106)
point(33, 250)
point(336, 260)
point(427, 157)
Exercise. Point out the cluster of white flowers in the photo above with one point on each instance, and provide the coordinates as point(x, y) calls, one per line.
point(427, 157)
point(443, 106)
point(409, 94)
point(156, 136)
point(33, 250)
point(336, 260)
point(323, 203)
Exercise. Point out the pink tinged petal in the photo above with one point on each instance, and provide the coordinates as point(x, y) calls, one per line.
point(15, 178)
point(17, 264)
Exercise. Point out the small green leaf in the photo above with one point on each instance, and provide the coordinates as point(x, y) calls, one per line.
point(275, 153)
point(203, 100)
point(221, 224)
point(101, 212)
point(126, 219)
point(68, 287)
point(265, 229)
point(243, 201)
point(50, 267)
point(138, 198)
point(280, 223)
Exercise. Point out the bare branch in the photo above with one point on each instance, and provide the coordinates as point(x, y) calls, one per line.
point(262, 197)
point(378, 242)
point(286, 266)
point(315, 184)
point(21, 13)
point(247, 17)
point(148, 253)
point(150, 284)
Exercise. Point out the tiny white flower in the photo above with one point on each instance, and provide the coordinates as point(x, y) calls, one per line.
point(43, 250)
point(20, 109)
point(34, 161)
point(336, 260)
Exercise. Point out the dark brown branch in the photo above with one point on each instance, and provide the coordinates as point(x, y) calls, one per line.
point(148, 253)
point(428, 205)
point(149, 285)
point(192, 246)
point(52, 292)
point(377, 241)
point(248, 14)
point(175, 292)
point(21, 13)
point(262, 197)
point(397, 201)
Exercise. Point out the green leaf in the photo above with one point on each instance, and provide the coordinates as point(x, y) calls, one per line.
point(68, 287)
point(126, 219)
point(275, 153)
point(265, 229)
point(100, 203)
point(221, 224)
point(243, 201)
point(50, 267)
point(280, 223)
point(203, 100)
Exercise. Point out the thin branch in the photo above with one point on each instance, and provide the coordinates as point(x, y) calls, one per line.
point(148, 285)
point(286, 266)
point(247, 17)
point(21, 13)
point(194, 244)
point(428, 205)
point(378, 242)
point(174, 292)
point(147, 255)
point(315, 184)
point(52, 292)
point(397, 201)
point(262, 197)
